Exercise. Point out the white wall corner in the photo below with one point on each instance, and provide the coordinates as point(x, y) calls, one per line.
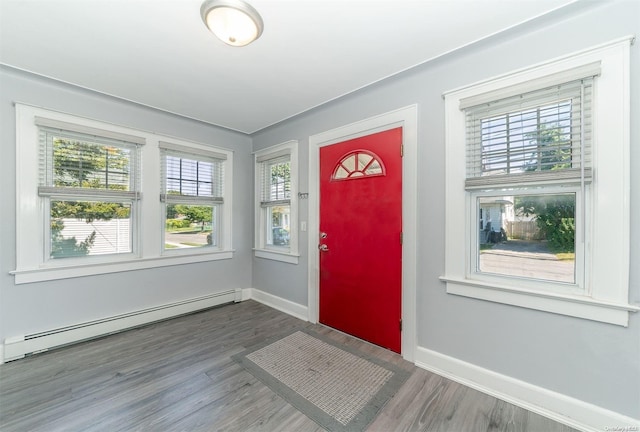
point(556, 406)
point(246, 294)
point(238, 295)
point(283, 305)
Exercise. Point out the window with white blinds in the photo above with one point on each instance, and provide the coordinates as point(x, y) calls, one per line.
point(276, 211)
point(189, 175)
point(192, 191)
point(276, 200)
point(89, 180)
point(276, 181)
point(87, 198)
point(537, 183)
point(533, 145)
point(542, 135)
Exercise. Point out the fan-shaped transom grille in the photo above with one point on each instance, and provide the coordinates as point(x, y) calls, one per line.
point(358, 164)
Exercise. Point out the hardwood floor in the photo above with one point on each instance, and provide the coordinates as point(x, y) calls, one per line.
point(177, 375)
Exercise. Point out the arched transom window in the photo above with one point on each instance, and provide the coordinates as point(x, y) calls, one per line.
point(357, 164)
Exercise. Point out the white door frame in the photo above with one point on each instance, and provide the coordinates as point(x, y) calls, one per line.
point(407, 118)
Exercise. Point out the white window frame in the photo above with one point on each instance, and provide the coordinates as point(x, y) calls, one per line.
point(603, 295)
point(48, 192)
point(261, 249)
point(534, 284)
point(31, 265)
point(185, 150)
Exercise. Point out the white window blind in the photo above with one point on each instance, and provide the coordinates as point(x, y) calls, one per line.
point(541, 136)
point(82, 165)
point(276, 181)
point(90, 184)
point(191, 176)
point(276, 211)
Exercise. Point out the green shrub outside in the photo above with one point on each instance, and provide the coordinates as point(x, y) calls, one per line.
point(177, 223)
point(559, 232)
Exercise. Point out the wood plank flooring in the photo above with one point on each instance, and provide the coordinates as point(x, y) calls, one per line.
point(177, 375)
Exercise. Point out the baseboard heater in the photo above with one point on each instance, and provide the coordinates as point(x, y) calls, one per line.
point(19, 346)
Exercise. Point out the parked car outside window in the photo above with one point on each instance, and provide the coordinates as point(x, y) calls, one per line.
point(280, 236)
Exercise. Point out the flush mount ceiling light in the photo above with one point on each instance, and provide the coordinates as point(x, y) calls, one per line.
point(234, 22)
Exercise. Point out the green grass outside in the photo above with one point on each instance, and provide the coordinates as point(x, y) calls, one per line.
point(187, 230)
point(566, 256)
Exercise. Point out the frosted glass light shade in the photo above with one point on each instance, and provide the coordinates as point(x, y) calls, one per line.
point(233, 21)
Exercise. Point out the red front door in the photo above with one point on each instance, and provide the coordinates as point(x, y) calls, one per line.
point(360, 244)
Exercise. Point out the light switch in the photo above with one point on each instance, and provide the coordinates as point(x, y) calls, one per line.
point(303, 226)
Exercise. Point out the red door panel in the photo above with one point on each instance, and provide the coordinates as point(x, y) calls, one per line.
point(361, 214)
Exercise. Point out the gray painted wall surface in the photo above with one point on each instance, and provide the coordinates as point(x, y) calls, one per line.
point(597, 363)
point(42, 306)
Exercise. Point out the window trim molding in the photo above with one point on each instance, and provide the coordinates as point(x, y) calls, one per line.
point(527, 284)
point(31, 265)
point(127, 263)
point(276, 255)
point(606, 298)
point(564, 304)
point(291, 254)
point(180, 148)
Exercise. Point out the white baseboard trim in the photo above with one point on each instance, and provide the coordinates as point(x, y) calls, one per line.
point(564, 409)
point(294, 309)
point(17, 347)
point(556, 406)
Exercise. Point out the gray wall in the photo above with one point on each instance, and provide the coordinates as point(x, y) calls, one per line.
point(597, 363)
point(42, 306)
point(594, 362)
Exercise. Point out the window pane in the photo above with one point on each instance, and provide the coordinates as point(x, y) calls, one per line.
point(81, 228)
point(280, 181)
point(278, 225)
point(190, 177)
point(81, 163)
point(531, 236)
point(357, 164)
point(189, 226)
point(536, 139)
point(374, 168)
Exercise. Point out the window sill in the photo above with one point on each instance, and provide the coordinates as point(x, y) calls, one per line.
point(66, 272)
point(286, 257)
point(570, 305)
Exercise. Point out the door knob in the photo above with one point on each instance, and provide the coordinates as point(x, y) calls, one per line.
point(323, 247)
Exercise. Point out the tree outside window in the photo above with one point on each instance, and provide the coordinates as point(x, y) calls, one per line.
point(80, 164)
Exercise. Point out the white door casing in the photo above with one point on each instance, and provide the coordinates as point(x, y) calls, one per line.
point(407, 118)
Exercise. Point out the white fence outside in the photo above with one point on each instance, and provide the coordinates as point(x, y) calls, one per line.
point(112, 236)
point(523, 230)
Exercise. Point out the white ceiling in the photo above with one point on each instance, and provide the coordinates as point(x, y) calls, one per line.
point(159, 53)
